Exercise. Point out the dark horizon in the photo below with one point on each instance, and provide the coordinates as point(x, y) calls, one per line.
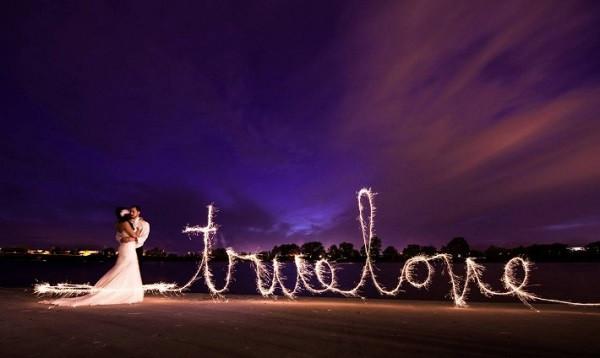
point(458, 248)
point(478, 120)
point(474, 246)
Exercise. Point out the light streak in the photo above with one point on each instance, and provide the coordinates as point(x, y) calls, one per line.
point(70, 289)
point(268, 280)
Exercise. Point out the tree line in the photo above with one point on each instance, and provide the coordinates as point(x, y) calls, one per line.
point(458, 247)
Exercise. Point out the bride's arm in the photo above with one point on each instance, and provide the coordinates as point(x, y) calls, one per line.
point(130, 232)
point(132, 235)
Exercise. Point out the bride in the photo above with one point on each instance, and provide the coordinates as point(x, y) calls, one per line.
point(123, 282)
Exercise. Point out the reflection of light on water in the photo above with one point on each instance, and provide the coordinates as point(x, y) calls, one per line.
point(325, 272)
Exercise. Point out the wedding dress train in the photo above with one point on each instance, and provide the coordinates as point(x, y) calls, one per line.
point(121, 284)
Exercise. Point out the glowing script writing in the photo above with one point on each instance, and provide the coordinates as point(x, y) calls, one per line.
point(269, 279)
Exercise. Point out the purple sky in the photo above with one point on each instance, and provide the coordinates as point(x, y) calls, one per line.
point(475, 119)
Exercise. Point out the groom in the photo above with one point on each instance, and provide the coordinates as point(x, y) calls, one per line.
point(139, 224)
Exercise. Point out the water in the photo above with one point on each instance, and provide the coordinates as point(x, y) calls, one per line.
point(565, 281)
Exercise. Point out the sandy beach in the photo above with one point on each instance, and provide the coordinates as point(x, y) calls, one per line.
point(196, 325)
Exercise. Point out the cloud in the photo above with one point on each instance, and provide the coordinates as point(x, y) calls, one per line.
point(573, 224)
point(466, 111)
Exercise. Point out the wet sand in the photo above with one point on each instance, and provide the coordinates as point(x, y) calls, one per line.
point(194, 325)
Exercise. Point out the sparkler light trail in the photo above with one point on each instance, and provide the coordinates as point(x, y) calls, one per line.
point(268, 280)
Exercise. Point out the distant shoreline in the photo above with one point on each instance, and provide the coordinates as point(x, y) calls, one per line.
point(77, 258)
point(99, 258)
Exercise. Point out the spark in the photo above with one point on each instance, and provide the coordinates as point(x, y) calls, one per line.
point(269, 278)
point(69, 289)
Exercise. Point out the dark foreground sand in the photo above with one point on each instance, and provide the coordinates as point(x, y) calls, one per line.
point(194, 325)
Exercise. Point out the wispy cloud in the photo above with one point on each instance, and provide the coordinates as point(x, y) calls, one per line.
point(573, 224)
point(467, 110)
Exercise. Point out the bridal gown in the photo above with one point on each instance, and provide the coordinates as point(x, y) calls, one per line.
point(121, 284)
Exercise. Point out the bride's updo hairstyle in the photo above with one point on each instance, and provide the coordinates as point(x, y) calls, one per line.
point(122, 214)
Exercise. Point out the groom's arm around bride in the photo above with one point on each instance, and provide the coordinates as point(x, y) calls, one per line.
point(141, 226)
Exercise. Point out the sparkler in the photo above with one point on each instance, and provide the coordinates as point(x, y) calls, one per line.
point(325, 272)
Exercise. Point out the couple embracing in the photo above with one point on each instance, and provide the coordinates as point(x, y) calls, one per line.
point(123, 282)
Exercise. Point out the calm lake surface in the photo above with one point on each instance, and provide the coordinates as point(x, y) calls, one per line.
point(565, 281)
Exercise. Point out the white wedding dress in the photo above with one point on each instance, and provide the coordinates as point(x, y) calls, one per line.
point(121, 284)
